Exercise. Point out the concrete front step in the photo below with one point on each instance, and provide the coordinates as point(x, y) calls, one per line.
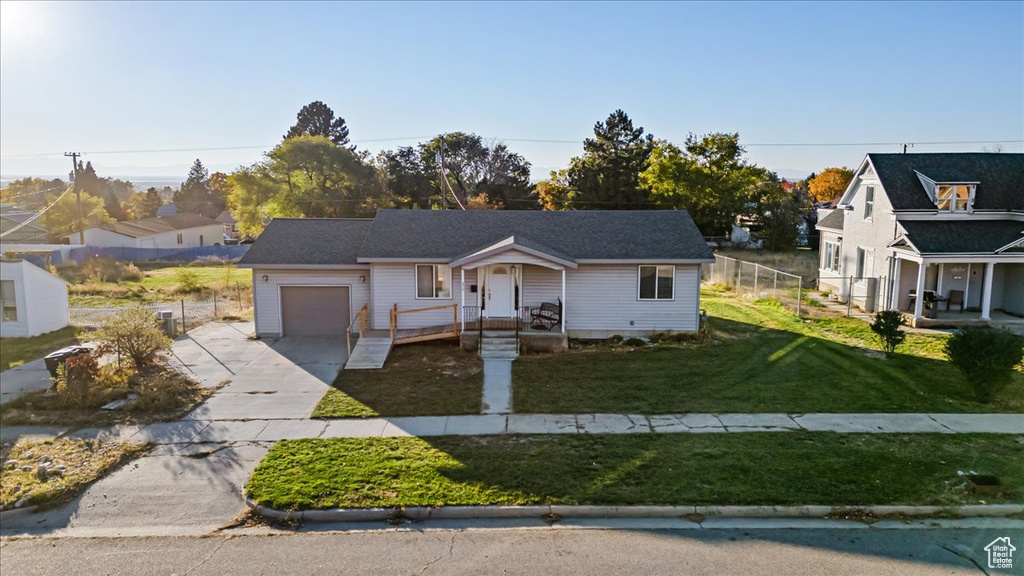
point(500, 355)
point(498, 347)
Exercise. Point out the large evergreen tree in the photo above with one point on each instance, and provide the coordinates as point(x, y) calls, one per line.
point(103, 188)
point(317, 119)
point(607, 175)
point(194, 195)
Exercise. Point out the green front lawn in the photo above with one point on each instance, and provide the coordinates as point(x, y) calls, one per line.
point(17, 351)
point(672, 469)
point(761, 358)
point(426, 379)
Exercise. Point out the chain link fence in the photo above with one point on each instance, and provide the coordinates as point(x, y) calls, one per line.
point(863, 293)
point(755, 281)
point(186, 314)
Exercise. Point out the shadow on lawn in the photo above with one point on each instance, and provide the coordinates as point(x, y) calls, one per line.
point(746, 368)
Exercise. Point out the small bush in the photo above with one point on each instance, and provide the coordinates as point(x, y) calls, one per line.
point(678, 338)
point(615, 340)
point(188, 281)
point(134, 334)
point(166, 391)
point(887, 326)
point(76, 380)
point(637, 342)
point(132, 273)
point(986, 356)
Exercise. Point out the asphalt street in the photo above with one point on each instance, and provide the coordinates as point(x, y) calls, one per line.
point(793, 552)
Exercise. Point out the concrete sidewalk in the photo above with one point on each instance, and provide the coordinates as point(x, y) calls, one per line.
point(274, 429)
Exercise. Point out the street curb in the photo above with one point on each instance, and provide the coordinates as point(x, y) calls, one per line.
point(693, 513)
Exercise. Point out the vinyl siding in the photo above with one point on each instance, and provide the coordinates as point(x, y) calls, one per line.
point(542, 285)
point(40, 297)
point(266, 295)
point(396, 284)
point(604, 298)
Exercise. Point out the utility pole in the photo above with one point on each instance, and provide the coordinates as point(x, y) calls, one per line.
point(444, 178)
point(78, 194)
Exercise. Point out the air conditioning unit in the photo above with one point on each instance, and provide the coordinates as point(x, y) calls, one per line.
point(165, 314)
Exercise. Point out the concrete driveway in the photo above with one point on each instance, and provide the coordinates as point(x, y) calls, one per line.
point(280, 378)
point(193, 484)
point(28, 377)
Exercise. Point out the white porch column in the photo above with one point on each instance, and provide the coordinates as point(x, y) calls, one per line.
point(986, 291)
point(562, 318)
point(919, 299)
point(894, 296)
point(938, 283)
point(462, 288)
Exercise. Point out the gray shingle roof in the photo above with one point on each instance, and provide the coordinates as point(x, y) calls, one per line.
point(595, 234)
point(970, 237)
point(449, 234)
point(834, 221)
point(157, 225)
point(309, 241)
point(1001, 178)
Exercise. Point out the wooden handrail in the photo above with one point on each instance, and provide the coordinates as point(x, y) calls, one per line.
point(363, 318)
point(411, 310)
point(394, 313)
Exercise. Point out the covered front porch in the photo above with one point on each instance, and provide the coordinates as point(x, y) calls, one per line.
point(958, 291)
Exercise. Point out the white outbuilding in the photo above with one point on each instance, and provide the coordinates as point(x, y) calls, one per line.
point(32, 300)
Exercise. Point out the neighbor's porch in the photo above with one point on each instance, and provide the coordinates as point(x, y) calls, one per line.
point(955, 293)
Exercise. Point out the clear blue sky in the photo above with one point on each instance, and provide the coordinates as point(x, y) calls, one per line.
point(118, 76)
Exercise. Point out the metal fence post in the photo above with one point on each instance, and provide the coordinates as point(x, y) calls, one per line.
point(239, 286)
point(756, 268)
point(799, 294)
point(183, 329)
point(214, 302)
point(849, 298)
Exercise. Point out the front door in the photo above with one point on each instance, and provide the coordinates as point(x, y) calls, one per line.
point(499, 292)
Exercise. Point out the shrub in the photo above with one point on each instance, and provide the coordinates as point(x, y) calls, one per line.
point(886, 326)
point(616, 339)
point(134, 334)
point(76, 380)
point(166, 391)
point(634, 342)
point(986, 356)
point(131, 272)
point(188, 281)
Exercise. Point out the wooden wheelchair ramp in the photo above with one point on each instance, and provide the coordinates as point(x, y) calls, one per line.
point(371, 351)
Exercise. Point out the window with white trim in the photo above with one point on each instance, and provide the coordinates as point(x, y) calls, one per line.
point(869, 201)
point(953, 197)
point(830, 257)
point(8, 302)
point(656, 283)
point(180, 239)
point(865, 257)
point(433, 281)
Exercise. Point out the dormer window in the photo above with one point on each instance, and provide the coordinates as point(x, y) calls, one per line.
point(953, 197)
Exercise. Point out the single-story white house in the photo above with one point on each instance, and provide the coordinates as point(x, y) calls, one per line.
point(32, 300)
point(585, 274)
point(174, 231)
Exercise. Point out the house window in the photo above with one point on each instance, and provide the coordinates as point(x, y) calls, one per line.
point(830, 260)
point(657, 282)
point(869, 202)
point(8, 303)
point(864, 266)
point(433, 281)
point(180, 239)
point(953, 198)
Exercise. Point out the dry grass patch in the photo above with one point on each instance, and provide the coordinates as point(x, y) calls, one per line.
point(48, 472)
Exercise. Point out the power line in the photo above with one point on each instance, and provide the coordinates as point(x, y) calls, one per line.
point(38, 214)
point(529, 140)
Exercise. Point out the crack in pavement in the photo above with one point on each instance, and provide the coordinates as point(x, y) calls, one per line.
point(210, 555)
point(451, 547)
point(965, 557)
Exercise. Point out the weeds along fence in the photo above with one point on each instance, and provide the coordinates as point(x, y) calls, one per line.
point(867, 293)
point(187, 314)
point(755, 281)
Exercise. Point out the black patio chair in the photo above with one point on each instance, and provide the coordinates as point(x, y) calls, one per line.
point(546, 316)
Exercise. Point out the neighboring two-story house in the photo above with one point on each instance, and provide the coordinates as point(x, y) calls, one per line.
point(948, 226)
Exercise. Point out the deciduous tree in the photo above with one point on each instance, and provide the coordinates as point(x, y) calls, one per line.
point(473, 167)
point(62, 218)
point(829, 184)
point(555, 193)
point(144, 204)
